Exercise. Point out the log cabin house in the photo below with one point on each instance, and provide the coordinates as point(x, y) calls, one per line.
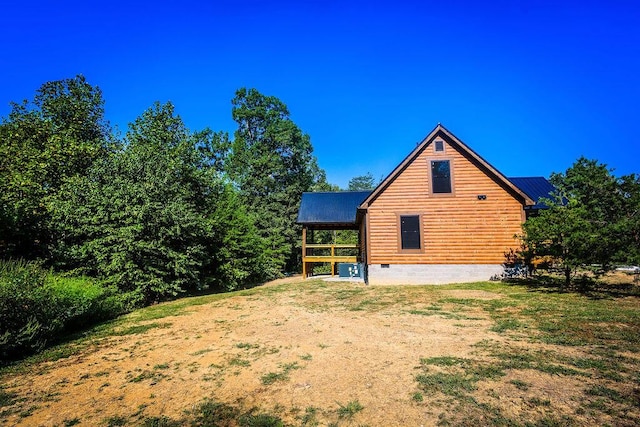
point(443, 215)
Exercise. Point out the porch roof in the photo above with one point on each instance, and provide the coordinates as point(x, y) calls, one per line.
point(331, 209)
point(536, 187)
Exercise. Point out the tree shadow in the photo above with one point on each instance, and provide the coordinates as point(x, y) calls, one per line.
point(593, 288)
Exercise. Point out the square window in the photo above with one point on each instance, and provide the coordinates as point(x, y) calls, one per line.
point(439, 146)
point(440, 176)
point(410, 231)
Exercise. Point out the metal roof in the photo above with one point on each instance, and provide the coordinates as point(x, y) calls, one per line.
point(337, 208)
point(536, 187)
point(340, 208)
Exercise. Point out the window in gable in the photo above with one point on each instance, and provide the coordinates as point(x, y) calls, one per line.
point(439, 146)
point(410, 232)
point(440, 176)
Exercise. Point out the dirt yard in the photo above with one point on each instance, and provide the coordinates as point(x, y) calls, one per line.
point(315, 353)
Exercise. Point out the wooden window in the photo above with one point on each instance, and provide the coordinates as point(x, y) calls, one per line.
point(439, 146)
point(410, 232)
point(440, 176)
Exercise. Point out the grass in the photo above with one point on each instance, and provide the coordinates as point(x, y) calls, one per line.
point(520, 385)
point(140, 329)
point(200, 352)
point(246, 345)
point(154, 376)
point(605, 326)
point(503, 325)
point(6, 398)
point(310, 417)
point(451, 384)
point(116, 421)
point(160, 422)
point(583, 338)
point(212, 413)
point(349, 409)
point(236, 361)
point(283, 375)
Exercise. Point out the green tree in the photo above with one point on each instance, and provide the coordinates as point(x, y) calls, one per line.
point(237, 252)
point(272, 164)
point(56, 136)
point(132, 219)
point(156, 218)
point(362, 182)
point(591, 219)
point(629, 220)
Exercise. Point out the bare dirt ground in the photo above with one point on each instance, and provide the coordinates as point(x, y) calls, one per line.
point(297, 351)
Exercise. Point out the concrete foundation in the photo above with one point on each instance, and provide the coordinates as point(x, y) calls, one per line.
point(430, 274)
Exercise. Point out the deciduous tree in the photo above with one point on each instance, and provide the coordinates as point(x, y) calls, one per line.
point(156, 218)
point(56, 136)
point(272, 164)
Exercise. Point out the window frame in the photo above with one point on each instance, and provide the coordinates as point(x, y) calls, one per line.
point(435, 146)
point(451, 176)
point(420, 232)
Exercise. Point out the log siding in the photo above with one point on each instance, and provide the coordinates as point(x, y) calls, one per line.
point(456, 228)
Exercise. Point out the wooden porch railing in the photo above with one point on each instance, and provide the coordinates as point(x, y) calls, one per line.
point(309, 257)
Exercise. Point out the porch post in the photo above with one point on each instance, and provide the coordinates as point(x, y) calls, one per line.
point(304, 251)
point(333, 255)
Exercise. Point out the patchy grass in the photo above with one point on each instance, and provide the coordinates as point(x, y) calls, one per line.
point(212, 413)
point(116, 421)
point(607, 327)
point(283, 375)
point(520, 385)
point(348, 410)
point(140, 329)
point(310, 417)
point(236, 361)
point(246, 345)
point(536, 339)
point(451, 384)
point(6, 398)
point(161, 422)
point(503, 325)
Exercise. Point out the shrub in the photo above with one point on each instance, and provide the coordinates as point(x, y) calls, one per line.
point(38, 307)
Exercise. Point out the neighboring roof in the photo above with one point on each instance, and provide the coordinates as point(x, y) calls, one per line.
point(335, 208)
point(536, 187)
point(440, 130)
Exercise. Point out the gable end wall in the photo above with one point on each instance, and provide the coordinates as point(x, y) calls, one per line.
point(457, 229)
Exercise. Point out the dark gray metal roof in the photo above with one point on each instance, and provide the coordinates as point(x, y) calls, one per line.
point(536, 187)
point(337, 208)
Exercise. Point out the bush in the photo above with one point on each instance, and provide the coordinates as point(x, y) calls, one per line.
point(38, 307)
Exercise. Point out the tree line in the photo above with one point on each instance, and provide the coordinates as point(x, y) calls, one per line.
point(165, 209)
point(161, 210)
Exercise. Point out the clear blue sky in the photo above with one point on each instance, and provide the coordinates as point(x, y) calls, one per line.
point(530, 86)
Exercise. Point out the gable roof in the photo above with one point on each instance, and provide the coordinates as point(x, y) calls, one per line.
point(331, 208)
point(536, 187)
point(441, 131)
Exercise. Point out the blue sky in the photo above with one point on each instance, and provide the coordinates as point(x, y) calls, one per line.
point(530, 86)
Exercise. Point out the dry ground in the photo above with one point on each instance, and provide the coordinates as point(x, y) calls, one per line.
point(318, 353)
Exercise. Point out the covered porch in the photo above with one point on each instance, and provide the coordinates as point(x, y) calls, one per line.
point(326, 218)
